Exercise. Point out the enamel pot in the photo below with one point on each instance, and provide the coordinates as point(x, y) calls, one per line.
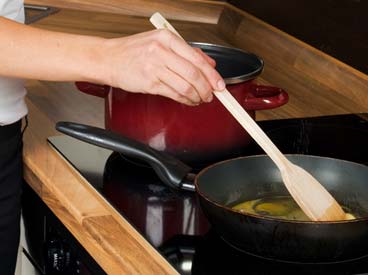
point(197, 135)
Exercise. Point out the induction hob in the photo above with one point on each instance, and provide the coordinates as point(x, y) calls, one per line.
point(173, 222)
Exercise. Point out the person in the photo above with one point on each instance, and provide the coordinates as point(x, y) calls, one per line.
point(155, 62)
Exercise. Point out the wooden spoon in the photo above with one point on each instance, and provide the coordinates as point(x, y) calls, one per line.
point(308, 193)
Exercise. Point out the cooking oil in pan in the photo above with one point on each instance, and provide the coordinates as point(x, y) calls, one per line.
point(282, 207)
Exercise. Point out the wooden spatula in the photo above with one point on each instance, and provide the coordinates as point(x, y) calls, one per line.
point(308, 193)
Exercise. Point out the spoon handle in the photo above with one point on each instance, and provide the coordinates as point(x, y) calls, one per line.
point(159, 22)
point(248, 123)
point(233, 106)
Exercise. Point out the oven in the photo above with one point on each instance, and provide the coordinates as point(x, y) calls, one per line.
point(48, 245)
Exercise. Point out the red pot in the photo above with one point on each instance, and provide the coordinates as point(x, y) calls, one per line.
point(197, 135)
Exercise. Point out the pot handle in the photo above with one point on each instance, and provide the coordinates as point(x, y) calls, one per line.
point(93, 89)
point(171, 171)
point(265, 97)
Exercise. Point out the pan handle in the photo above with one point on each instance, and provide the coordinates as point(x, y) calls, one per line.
point(170, 170)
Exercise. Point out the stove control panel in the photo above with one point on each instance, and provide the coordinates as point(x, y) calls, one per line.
point(58, 256)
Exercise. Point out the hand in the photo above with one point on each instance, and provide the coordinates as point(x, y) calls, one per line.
point(158, 62)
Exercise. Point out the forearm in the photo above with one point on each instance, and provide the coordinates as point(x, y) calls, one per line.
point(155, 62)
point(27, 52)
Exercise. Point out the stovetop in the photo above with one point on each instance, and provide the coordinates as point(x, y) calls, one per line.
point(172, 221)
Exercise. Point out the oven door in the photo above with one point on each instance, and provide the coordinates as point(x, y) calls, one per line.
point(48, 245)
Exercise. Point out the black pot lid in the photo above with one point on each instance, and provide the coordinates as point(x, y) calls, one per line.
point(233, 64)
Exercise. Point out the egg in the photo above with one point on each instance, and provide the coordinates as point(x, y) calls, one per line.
point(282, 207)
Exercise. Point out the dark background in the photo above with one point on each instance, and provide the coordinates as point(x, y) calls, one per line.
point(336, 27)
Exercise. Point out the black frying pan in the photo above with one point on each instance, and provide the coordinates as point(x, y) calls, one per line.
point(236, 180)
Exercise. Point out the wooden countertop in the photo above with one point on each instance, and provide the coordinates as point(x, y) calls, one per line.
point(109, 238)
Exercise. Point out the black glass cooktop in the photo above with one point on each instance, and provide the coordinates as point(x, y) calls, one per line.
point(173, 222)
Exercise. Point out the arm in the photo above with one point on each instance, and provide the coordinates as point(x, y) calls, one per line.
point(155, 62)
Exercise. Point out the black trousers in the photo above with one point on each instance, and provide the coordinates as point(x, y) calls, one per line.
point(10, 195)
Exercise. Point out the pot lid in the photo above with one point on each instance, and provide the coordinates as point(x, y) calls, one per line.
point(233, 64)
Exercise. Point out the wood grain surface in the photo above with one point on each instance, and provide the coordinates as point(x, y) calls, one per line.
point(81, 208)
point(317, 84)
point(113, 25)
point(187, 10)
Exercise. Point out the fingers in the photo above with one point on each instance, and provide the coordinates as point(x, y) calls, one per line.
point(205, 56)
point(181, 86)
point(193, 77)
point(187, 52)
point(161, 63)
point(160, 88)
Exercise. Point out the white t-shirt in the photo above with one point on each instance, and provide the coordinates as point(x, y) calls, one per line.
point(12, 92)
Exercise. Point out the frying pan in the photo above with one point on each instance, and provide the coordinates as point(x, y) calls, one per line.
point(229, 182)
